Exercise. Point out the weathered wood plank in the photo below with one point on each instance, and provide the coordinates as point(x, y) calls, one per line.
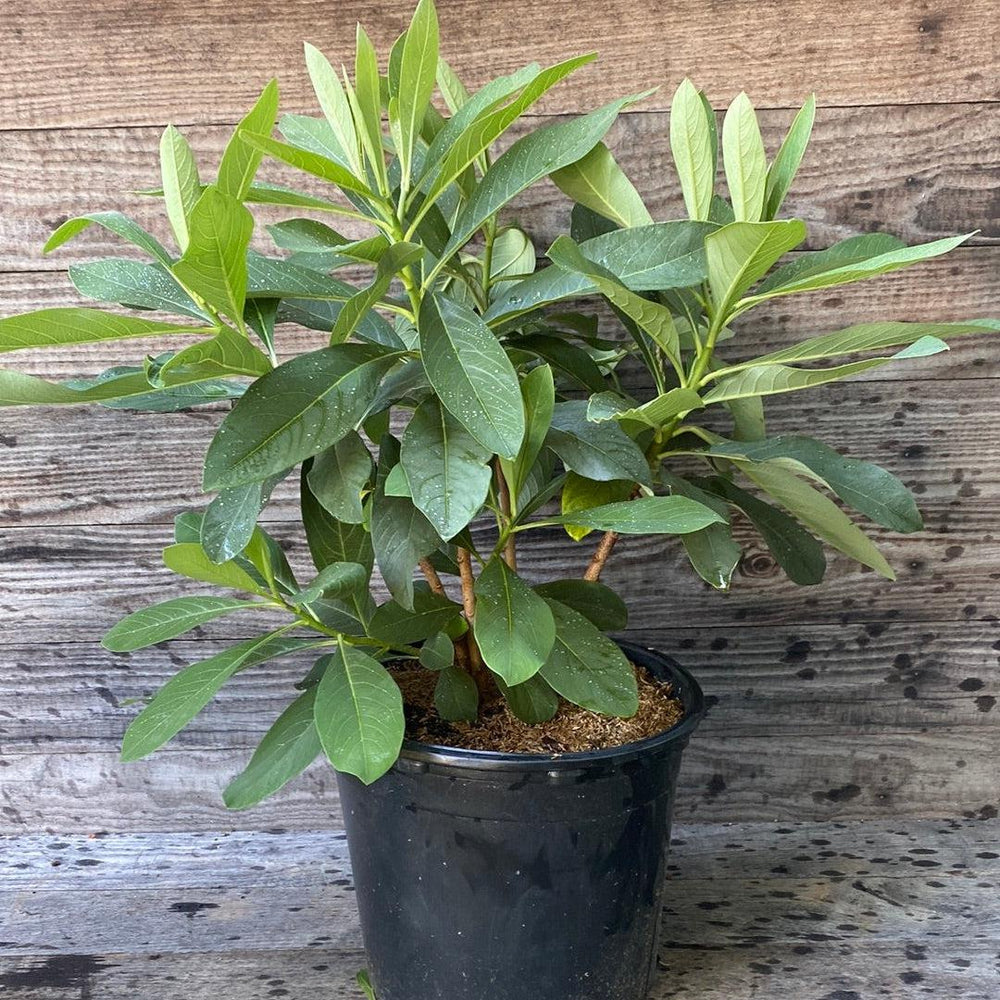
point(960, 287)
point(725, 778)
point(918, 172)
point(94, 465)
point(818, 679)
point(65, 65)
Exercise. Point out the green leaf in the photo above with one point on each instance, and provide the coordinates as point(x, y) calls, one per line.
point(579, 493)
point(168, 620)
point(231, 517)
point(596, 451)
point(655, 413)
point(437, 652)
point(114, 222)
point(188, 692)
point(794, 549)
point(286, 750)
point(513, 256)
point(819, 514)
point(239, 161)
point(395, 625)
point(513, 627)
point(745, 160)
point(417, 73)
point(365, 985)
point(598, 182)
point(587, 668)
point(767, 380)
point(330, 540)
point(741, 253)
point(532, 701)
point(447, 469)
point(566, 357)
point(845, 274)
point(692, 149)
point(306, 236)
point(867, 488)
point(214, 265)
point(471, 374)
point(646, 516)
point(456, 696)
point(650, 258)
point(853, 250)
point(278, 194)
point(599, 604)
point(301, 408)
point(368, 101)
point(340, 475)
point(226, 354)
point(336, 581)
point(189, 559)
point(181, 184)
point(76, 325)
point(531, 158)
point(786, 164)
point(333, 101)
point(359, 714)
point(133, 283)
point(311, 163)
point(538, 395)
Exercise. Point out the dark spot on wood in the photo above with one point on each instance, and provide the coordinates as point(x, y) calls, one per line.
point(765, 970)
point(916, 952)
point(719, 643)
point(8, 440)
point(985, 703)
point(972, 684)
point(57, 972)
point(953, 551)
point(902, 661)
point(716, 785)
point(191, 910)
point(988, 855)
point(909, 692)
point(806, 674)
point(841, 995)
point(911, 978)
point(798, 651)
point(87, 862)
point(105, 695)
point(915, 451)
point(843, 794)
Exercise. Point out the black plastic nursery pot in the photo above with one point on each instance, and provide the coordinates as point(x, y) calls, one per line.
point(491, 876)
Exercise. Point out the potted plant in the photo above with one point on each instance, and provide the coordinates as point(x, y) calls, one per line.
point(507, 770)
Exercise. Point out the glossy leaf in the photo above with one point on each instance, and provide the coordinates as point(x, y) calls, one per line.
point(471, 374)
point(340, 475)
point(214, 264)
point(655, 413)
point(226, 354)
point(647, 516)
point(312, 163)
point(331, 540)
point(745, 160)
point(513, 627)
point(431, 613)
point(333, 100)
point(448, 471)
point(782, 171)
point(188, 692)
point(417, 74)
point(189, 559)
point(181, 184)
point(231, 517)
point(598, 182)
point(579, 493)
point(133, 283)
point(538, 394)
point(301, 408)
point(596, 451)
point(368, 100)
point(168, 620)
point(691, 146)
point(114, 222)
point(359, 714)
point(587, 668)
point(532, 701)
point(853, 250)
point(437, 652)
point(599, 604)
point(286, 750)
point(456, 696)
point(240, 161)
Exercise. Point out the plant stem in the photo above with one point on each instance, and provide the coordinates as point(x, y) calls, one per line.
point(503, 495)
point(431, 576)
point(604, 549)
point(475, 660)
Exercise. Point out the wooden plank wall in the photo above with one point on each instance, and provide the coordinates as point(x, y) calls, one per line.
point(855, 699)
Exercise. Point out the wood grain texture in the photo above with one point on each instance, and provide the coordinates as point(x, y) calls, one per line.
point(920, 172)
point(827, 910)
point(153, 62)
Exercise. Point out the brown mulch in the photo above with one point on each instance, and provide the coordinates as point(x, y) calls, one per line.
point(572, 730)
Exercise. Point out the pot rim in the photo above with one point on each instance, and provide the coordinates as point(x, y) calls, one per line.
point(685, 687)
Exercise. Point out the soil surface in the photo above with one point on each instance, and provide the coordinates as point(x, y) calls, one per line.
point(572, 730)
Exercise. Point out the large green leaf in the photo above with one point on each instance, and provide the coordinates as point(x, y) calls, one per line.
point(114, 222)
point(819, 514)
point(538, 393)
point(513, 627)
point(567, 357)
point(333, 100)
point(188, 692)
point(359, 714)
point(853, 250)
point(531, 158)
point(646, 516)
point(767, 380)
point(782, 171)
point(793, 548)
point(456, 696)
point(533, 701)
point(654, 413)
point(447, 468)
point(295, 411)
point(231, 517)
point(745, 160)
point(226, 354)
point(286, 750)
point(417, 73)
point(867, 488)
point(599, 604)
point(335, 581)
point(324, 167)
point(663, 255)
point(844, 274)
point(181, 184)
point(133, 283)
point(189, 559)
point(579, 493)
point(214, 266)
point(587, 668)
point(239, 161)
point(340, 475)
point(329, 539)
point(471, 374)
point(367, 102)
point(742, 252)
point(431, 613)
point(77, 325)
point(169, 620)
point(691, 146)
point(596, 451)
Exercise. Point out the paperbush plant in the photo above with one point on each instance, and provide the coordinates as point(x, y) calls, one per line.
point(457, 404)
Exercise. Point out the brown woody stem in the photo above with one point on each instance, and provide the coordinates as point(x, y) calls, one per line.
point(475, 661)
point(600, 556)
point(431, 576)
